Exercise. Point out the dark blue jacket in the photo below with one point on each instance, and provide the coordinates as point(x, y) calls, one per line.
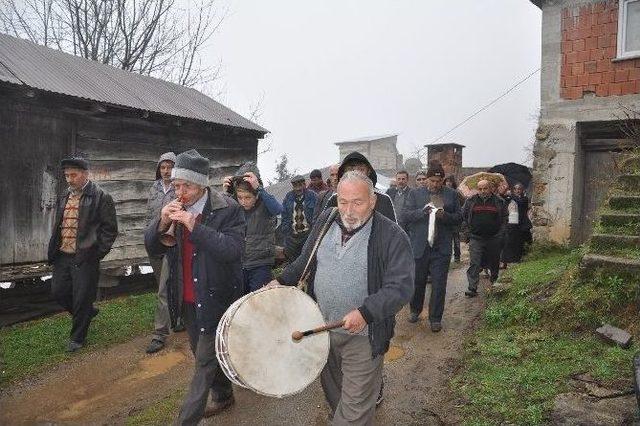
point(417, 222)
point(287, 209)
point(217, 266)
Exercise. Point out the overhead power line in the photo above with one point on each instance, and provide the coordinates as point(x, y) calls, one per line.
point(463, 122)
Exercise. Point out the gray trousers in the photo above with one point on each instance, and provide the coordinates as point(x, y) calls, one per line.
point(207, 376)
point(483, 248)
point(351, 379)
point(162, 322)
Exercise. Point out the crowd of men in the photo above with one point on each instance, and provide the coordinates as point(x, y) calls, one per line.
point(370, 252)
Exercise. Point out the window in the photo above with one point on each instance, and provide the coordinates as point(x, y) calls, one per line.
point(629, 29)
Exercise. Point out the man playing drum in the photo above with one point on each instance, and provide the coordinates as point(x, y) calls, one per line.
point(363, 274)
point(205, 266)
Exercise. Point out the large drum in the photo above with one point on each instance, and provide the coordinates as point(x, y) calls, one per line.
point(254, 344)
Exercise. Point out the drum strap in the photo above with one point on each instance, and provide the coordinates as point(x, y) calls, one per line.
point(302, 283)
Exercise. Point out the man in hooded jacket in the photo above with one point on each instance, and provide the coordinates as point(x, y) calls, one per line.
point(161, 193)
point(357, 161)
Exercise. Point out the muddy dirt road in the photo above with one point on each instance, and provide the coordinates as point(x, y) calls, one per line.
point(107, 386)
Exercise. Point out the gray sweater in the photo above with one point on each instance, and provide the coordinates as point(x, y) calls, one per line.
point(390, 275)
point(341, 278)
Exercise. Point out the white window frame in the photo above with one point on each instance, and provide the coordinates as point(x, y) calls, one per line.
point(622, 20)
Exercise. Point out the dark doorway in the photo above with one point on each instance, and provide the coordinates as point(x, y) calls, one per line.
point(602, 145)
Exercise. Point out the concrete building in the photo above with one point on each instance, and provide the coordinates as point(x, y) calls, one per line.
point(381, 151)
point(590, 79)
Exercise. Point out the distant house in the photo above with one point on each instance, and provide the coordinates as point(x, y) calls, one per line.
point(590, 72)
point(53, 104)
point(381, 151)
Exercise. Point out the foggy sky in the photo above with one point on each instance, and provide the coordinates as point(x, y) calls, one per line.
point(335, 70)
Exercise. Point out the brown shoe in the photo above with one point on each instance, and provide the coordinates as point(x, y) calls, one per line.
point(217, 407)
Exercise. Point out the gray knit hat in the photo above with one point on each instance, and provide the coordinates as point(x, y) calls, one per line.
point(191, 166)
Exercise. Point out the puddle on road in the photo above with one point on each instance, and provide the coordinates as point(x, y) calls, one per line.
point(147, 368)
point(403, 338)
point(154, 366)
point(394, 353)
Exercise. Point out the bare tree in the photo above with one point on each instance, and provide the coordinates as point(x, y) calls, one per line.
point(282, 170)
point(150, 37)
point(630, 122)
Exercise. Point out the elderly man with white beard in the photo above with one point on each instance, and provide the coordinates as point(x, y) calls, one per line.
point(362, 273)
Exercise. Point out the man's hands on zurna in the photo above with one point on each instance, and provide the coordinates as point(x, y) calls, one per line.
point(354, 322)
point(185, 218)
point(166, 212)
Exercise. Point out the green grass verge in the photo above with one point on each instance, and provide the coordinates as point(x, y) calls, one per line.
point(536, 333)
point(29, 348)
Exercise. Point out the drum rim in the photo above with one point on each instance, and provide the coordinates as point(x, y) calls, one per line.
point(227, 360)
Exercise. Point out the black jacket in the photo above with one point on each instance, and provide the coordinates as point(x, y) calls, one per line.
point(503, 213)
point(390, 276)
point(97, 225)
point(384, 204)
point(218, 245)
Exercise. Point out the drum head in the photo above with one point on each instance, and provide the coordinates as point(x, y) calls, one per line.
point(260, 346)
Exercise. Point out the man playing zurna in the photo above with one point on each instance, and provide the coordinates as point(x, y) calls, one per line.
point(362, 273)
point(205, 274)
point(85, 229)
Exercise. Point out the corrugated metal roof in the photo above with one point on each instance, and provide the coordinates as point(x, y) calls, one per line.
point(23, 62)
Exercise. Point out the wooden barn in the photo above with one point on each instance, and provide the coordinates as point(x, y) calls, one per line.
point(53, 104)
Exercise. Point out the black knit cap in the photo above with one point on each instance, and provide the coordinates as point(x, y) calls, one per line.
point(75, 162)
point(435, 169)
point(315, 174)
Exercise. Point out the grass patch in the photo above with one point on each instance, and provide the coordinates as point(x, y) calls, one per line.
point(610, 250)
point(536, 333)
point(159, 412)
point(632, 229)
point(27, 349)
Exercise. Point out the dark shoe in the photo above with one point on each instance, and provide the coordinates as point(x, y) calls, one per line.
point(95, 312)
point(179, 327)
point(74, 346)
point(217, 407)
point(436, 327)
point(471, 293)
point(413, 317)
point(381, 394)
point(154, 346)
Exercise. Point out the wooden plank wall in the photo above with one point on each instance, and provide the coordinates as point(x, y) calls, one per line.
point(124, 153)
point(33, 142)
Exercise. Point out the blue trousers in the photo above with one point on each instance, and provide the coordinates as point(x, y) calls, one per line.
point(255, 278)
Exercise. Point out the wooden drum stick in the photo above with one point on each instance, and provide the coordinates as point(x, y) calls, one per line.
point(298, 335)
